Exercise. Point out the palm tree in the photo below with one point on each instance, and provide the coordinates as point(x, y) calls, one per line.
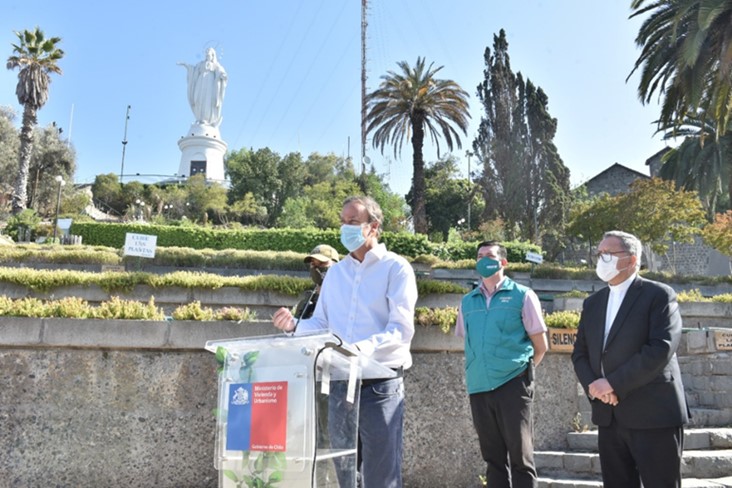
point(687, 58)
point(701, 162)
point(408, 104)
point(36, 57)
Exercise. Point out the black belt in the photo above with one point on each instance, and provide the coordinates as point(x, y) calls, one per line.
point(372, 381)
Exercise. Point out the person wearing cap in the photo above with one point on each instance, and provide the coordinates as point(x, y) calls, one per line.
point(319, 260)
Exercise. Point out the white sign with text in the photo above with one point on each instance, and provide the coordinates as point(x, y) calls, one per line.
point(534, 257)
point(141, 245)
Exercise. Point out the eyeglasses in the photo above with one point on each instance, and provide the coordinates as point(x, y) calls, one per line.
point(607, 256)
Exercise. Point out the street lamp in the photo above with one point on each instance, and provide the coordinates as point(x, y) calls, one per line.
point(468, 154)
point(60, 180)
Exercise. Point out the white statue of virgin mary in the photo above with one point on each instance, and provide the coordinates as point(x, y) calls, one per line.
point(206, 87)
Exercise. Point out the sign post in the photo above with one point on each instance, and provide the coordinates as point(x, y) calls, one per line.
point(140, 245)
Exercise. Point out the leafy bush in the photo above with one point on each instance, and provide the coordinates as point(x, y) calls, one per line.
point(691, 296)
point(444, 318)
point(573, 294)
point(28, 307)
point(128, 309)
point(76, 308)
point(723, 298)
point(46, 280)
point(193, 311)
point(68, 307)
point(694, 295)
point(26, 219)
point(235, 314)
point(565, 319)
point(295, 240)
point(555, 272)
point(427, 287)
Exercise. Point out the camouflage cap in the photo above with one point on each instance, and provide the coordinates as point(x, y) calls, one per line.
point(324, 253)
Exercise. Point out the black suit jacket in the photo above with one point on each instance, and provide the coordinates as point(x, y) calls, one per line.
point(639, 357)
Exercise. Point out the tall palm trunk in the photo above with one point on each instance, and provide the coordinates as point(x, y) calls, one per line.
point(419, 213)
point(20, 190)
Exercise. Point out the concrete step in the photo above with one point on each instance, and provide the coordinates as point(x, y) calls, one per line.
point(694, 439)
point(701, 464)
point(685, 483)
point(710, 417)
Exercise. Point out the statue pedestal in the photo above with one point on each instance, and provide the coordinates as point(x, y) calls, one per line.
point(202, 153)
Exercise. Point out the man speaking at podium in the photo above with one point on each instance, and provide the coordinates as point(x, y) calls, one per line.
point(368, 300)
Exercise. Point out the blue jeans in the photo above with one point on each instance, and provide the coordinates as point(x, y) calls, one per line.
point(381, 420)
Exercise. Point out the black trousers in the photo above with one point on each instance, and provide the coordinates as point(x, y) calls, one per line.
point(504, 422)
point(629, 456)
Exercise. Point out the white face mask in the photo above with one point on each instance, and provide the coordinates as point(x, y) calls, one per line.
point(607, 271)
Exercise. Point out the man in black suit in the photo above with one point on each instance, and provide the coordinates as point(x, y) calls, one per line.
point(625, 359)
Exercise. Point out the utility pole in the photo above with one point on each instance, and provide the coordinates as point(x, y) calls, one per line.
point(364, 24)
point(470, 185)
point(124, 145)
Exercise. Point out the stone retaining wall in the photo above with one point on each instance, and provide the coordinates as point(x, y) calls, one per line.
point(126, 403)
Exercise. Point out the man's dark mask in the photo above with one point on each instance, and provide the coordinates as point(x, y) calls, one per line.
point(318, 274)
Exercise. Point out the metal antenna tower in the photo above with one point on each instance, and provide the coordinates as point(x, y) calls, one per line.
point(364, 24)
point(124, 144)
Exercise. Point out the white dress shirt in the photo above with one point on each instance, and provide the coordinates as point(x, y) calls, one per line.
point(614, 299)
point(369, 304)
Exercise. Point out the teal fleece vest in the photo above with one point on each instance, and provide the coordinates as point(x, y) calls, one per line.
point(497, 347)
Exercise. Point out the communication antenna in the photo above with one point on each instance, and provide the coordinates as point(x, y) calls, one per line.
point(124, 144)
point(71, 124)
point(364, 24)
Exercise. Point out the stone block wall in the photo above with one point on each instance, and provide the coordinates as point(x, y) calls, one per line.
point(120, 404)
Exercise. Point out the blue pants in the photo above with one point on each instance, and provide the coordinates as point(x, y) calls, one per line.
point(380, 429)
point(381, 420)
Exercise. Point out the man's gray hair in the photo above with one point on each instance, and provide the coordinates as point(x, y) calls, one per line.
point(630, 243)
point(372, 208)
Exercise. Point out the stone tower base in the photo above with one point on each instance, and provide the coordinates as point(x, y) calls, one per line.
point(202, 153)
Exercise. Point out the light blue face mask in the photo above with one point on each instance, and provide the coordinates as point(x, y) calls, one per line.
point(487, 267)
point(352, 236)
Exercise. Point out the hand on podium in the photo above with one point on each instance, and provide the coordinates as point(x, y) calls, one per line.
point(283, 320)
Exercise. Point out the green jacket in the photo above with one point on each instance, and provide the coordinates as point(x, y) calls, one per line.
point(497, 347)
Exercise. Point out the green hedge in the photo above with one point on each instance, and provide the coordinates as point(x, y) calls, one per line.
point(296, 240)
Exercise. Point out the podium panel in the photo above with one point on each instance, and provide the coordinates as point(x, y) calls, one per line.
point(288, 410)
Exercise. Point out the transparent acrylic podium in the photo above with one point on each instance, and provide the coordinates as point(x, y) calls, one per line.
point(288, 410)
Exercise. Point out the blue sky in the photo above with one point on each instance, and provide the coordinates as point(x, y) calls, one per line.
point(294, 71)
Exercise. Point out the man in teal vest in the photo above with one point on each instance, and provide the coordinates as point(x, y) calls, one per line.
point(505, 337)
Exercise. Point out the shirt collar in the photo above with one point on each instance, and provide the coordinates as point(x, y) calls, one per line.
point(485, 291)
point(376, 253)
point(623, 286)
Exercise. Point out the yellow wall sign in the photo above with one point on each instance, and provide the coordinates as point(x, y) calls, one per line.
point(723, 340)
point(562, 340)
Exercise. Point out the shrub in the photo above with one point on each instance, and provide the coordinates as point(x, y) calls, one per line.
point(573, 294)
point(26, 219)
point(295, 240)
point(555, 272)
point(693, 295)
point(723, 298)
point(235, 314)
point(28, 307)
point(444, 318)
point(193, 311)
point(565, 319)
point(69, 307)
point(427, 287)
point(129, 309)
